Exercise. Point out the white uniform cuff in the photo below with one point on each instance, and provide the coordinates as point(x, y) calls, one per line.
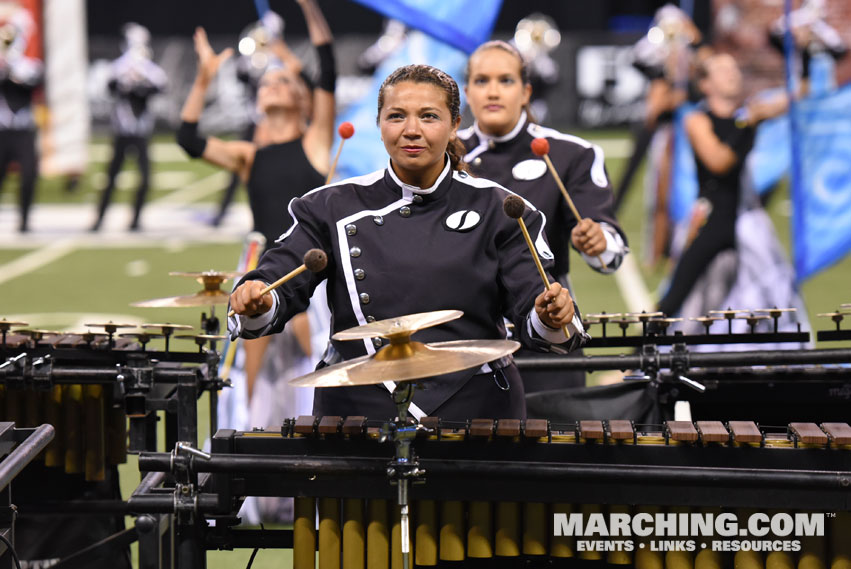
point(551, 335)
point(262, 320)
point(614, 247)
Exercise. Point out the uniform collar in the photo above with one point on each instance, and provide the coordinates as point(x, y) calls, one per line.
point(408, 191)
point(487, 138)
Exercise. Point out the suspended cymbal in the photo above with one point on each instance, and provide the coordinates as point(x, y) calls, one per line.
point(644, 316)
point(167, 328)
point(603, 317)
point(729, 313)
point(401, 325)
point(110, 326)
point(201, 298)
point(408, 360)
point(204, 276)
point(6, 324)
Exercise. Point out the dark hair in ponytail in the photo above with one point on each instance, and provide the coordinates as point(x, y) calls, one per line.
point(434, 76)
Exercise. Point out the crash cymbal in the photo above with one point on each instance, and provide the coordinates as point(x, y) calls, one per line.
point(201, 298)
point(401, 325)
point(408, 360)
point(37, 334)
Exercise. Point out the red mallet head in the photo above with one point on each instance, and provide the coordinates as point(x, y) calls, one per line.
point(540, 146)
point(346, 130)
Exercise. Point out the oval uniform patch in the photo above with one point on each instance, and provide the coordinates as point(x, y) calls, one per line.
point(462, 221)
point(529, 169)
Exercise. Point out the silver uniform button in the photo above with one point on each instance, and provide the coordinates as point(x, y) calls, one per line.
point(370, 318)
point(376, 342)
point(364, 298)
point(378, 220)
point(405, 211)
point(355, 251)
point(360, 274)
point(351, 229)
point(477, 161)
point(418, 198)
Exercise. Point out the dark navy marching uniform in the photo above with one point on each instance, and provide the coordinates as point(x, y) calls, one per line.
point(396, 249)
point(509, 161)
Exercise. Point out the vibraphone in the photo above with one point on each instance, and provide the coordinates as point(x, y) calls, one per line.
point(490, 490)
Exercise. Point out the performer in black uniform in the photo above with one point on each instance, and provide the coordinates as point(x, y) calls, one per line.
point(133, 79)
point(19, 77)
point(421, 235)
point(296, 131)
point(722, 135)
point(498, 148)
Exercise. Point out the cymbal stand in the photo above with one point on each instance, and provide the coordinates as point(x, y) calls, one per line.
point(405, 467)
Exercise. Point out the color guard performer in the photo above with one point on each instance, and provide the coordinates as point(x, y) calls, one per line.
point(418, 236)
point(134, 79)
point(19, 77)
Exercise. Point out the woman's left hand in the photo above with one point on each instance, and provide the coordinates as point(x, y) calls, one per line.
point(587, 236)
point(555, 306)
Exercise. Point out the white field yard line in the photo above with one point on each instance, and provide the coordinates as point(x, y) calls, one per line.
point(633, 290)
point(61, 247)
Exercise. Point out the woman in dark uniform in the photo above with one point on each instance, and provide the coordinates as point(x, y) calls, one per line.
point(420, 235)
point(297, 132)
point(498, 148)
point(721, 134)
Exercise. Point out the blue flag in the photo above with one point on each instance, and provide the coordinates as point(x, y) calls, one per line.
point(821, 213)
point(461, 23)
point(365, 152)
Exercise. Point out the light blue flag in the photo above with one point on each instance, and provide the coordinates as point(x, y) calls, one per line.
point(461, 23)
point(364, 152)
point(683, 186)
point(822, 200)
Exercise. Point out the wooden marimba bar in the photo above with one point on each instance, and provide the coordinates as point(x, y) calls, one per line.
point(492, 489)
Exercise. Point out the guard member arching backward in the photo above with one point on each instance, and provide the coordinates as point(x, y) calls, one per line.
point(499, 148)
point(418, 236)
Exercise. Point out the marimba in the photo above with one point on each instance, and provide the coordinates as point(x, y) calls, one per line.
point(491, 490)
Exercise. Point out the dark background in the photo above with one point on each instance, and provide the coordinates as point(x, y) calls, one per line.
point(179, 17)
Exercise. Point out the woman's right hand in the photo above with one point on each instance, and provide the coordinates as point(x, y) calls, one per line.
point(248, 301)
point(208, 60)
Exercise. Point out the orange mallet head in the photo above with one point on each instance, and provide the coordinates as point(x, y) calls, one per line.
point(540, 146)
point(346, 130)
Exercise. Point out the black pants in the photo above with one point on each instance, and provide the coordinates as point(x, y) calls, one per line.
point(19, 146)
point(496, 395)
point(120, 146)
point(718, 234)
